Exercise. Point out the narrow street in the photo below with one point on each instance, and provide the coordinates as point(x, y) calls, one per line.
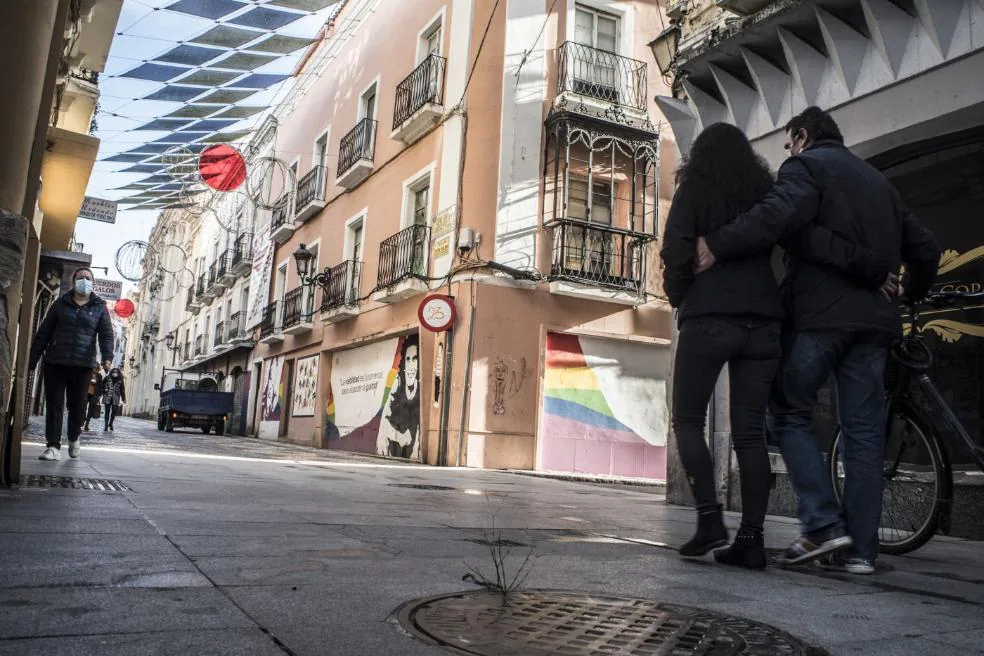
point(235, 546)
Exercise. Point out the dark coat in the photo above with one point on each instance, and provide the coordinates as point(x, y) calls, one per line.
point(69, 333)
point(746, 285)
point(113, 391)
point(830, 187)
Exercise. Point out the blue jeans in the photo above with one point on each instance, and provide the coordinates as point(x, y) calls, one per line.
point(857, 361)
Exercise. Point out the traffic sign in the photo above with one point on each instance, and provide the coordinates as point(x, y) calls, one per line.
point(437, 313)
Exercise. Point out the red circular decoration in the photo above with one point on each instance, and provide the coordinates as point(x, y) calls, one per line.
point(222, 167)
point(437, 313)
point(124, 308)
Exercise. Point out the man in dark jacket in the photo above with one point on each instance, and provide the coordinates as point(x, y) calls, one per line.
point(67, 339)
point(836, 324)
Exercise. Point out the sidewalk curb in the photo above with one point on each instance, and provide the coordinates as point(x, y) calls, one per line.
point(591, 478)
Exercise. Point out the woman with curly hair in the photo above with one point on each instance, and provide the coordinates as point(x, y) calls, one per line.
point(730, 314)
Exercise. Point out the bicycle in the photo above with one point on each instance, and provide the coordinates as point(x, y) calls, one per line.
point(918, 488)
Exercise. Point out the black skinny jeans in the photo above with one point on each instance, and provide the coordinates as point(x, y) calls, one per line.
point(110, 410)
point(752, 350)
point(64, 386)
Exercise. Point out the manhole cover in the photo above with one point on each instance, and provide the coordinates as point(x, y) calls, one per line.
point(69, 482)
point(421, 487)
point(543, 622)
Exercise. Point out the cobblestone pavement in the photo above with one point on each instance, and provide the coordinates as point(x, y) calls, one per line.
point(239, 546)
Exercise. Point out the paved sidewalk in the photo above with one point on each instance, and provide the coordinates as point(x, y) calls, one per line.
point(236, 546)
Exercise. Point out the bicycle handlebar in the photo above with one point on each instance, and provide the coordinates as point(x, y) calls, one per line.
point(939, 299)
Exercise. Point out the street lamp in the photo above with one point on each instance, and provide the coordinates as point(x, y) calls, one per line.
point(304, 258)
point(664, 48)
point(169, 343)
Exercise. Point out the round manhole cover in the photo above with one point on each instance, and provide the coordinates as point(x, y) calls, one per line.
point(543, 622)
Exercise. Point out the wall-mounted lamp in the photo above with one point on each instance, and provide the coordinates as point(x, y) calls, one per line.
point(304, 259)
point(664, 48)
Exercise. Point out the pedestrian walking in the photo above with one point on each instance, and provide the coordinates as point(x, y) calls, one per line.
point(728, 315)
point(93, 396)
point(113, 397)
point(67, 338)
point(838, 324)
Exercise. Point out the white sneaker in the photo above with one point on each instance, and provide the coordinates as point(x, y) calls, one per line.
point(73, 448)
point(50, 453)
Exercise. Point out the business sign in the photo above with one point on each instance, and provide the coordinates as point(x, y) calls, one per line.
point(97, 209)
point(108, 290)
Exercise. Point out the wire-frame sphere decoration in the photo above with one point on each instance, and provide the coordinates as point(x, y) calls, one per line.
point(135, 260)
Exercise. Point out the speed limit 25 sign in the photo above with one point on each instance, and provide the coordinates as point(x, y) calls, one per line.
point(437, 313)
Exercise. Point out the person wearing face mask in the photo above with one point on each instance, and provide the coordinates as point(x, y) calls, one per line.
point(114, 396)
point(67, 339)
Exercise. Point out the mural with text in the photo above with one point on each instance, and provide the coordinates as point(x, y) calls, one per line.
point(604, 407)
point(374, 399)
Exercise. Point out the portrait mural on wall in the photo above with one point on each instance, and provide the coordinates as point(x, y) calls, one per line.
point(374, 399)
point(272, 389)
point(306, 386)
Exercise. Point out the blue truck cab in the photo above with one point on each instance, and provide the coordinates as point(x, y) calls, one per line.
point(192, 401)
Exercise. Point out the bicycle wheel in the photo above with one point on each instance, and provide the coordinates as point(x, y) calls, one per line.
point(914, 483)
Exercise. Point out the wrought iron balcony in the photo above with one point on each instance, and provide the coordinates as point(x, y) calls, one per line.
point(270, 326)
point(602, 76)
point(200, 287)
point(192, 303)
point(297, 311)
point(402, 264)
point(356, 152)
point(282, 219)
point(598, 255)
point(220, 334)
point(419, 99)
point(225, 273)
point(242, 254)
point(187, 351)
point(342, 290)
point(234, 327)
point(199, 345)
point(311, 193)
point(212, 274)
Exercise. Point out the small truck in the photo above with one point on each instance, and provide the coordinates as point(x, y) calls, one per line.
point(192, 401)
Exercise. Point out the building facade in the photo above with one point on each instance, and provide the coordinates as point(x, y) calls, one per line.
point(902, 79)
point(56, 50)
point(505, 155)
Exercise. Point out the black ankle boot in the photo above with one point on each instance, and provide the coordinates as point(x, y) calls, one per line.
point(711, 534)
point(748, 551)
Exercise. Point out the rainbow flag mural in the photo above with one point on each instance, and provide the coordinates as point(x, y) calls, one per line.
point(604, 407)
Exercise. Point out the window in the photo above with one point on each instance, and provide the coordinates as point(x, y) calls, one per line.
point(320, 150)
point(596, 29)
point(601, 201)
point(368, 106)
point(431, 42)
point(356, 238)
point(421, 204)
point(281, 283)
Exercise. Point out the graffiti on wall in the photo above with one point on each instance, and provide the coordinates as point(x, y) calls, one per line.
point(374, 399)
point(509, 377)
point(273, 391)
point(306, 386)
point(604, 407)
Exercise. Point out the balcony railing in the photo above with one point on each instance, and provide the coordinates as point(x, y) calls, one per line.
point(294, 310)
point(424, 86)
point(602, 75)
point(311, 187)
point(242, 253)
point(343, 286)
point(200, 345)
point(212, 269)
point(220, 334)
point(234, 326)
point(200, 287)
point(268, 322)
point(222, 265)
point(597, 255)
point(402, 256)
point(191, 297)
point(358, 144)
point(187, 350)
point(281, 213)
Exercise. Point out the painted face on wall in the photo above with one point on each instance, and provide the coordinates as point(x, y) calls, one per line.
point(412, 364)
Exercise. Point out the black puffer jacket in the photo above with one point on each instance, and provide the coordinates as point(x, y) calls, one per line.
point(69, 332)
point(829, 187)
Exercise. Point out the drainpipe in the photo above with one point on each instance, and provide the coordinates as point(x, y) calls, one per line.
point(466, 388)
